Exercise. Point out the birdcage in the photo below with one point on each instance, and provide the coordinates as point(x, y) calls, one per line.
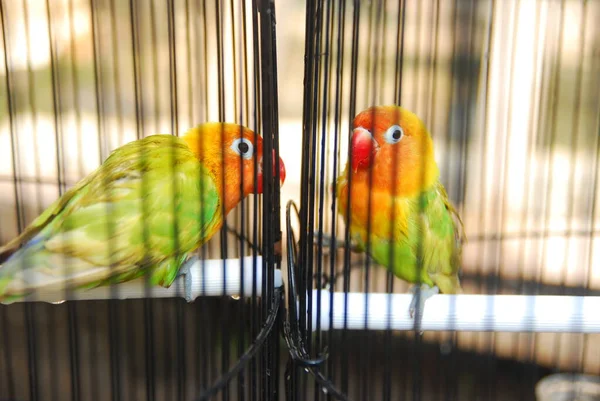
point(509, 91)
point(81, 79)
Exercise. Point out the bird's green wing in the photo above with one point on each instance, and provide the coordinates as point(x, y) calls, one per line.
point(43, 219)
point(144, 209)
point(443, 234)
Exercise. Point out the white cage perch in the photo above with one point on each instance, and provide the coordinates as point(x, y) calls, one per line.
point(206, 278)
point(499, 313)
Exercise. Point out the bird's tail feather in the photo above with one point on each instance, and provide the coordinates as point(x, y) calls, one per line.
point(32, 268)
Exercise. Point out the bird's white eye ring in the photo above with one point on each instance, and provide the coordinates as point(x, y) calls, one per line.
point(394, 134)
point(243, 147)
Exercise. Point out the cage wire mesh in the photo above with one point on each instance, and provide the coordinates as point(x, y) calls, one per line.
point(510, 92)
point(81, 78)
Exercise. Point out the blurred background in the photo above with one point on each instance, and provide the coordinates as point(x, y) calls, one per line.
point(509, 89)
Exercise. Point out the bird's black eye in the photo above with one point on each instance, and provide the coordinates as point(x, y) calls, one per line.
point(393, 134)
point(243, 147)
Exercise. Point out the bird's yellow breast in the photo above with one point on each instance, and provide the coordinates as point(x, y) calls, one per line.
point(373, 211)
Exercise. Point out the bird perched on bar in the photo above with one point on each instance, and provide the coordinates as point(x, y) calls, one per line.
point(410, 227)
point(143, 211)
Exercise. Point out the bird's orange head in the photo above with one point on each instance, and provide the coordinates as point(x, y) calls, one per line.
point(236, 152)
point(395, 145)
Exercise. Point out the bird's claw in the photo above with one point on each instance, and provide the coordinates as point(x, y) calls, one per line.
point(326, 242)
point(426, 293)
point(184, 271)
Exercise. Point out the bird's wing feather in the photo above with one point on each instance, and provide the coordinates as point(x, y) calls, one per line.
point(43, 219)
point(442, 240)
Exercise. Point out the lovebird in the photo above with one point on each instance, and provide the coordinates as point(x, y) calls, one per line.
point(149, 205)
point(393, 167)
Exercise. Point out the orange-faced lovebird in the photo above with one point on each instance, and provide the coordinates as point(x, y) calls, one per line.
point(144, 210)
point(393, 169)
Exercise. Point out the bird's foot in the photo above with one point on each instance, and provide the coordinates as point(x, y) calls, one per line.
point(418, 302)
point(184, 271)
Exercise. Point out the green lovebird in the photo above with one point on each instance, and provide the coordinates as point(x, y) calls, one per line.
point(151, 203)
point(393, 170)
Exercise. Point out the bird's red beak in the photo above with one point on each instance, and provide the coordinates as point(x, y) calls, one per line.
point(259, 178)
point(363, 148)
